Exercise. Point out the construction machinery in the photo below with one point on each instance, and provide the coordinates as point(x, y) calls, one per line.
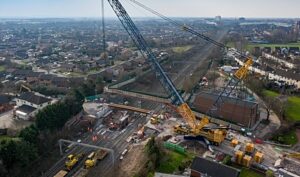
point(293, 155)
point(72, 160)
point(94, 157)
point(238, 75)
point(193, 126)
point(154, 119)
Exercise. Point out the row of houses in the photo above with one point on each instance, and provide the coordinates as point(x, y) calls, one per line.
point(288, 76)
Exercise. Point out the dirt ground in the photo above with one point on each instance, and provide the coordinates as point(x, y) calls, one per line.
point(133, 162)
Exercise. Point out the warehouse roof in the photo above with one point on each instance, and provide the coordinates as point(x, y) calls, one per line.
point(213, 169)
point(231, 100)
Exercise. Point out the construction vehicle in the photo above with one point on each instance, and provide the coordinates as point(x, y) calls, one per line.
point(61, 173)
point(193, 127)
point(239, 75)
point(293, 155)
point(154, 119)
point(72, 160)
point(94, 157)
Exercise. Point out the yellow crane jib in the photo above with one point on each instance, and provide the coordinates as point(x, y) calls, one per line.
point(186, 112)
point(243, 71)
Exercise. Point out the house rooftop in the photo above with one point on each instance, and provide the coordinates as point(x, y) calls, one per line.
point(4, 99)
point(32, 98)
point(26, 109)
point(213, 169)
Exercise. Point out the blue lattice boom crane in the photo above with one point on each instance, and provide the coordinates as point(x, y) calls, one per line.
point(216, 136)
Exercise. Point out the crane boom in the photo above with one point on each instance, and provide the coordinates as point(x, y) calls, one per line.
point(182, 107)
point(240, 74)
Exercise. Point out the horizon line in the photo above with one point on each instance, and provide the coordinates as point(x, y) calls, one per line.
point(93, 17)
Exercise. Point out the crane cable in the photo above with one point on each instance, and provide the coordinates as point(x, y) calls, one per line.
point(103, 32)
point(182, 26)
point(192, 31)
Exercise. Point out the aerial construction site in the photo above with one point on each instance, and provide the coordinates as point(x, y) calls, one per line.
point(219, 124)
point(200, 110)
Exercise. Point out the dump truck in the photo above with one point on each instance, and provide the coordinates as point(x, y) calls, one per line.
point(94, 157)
point(72, 160)
point(61, 173)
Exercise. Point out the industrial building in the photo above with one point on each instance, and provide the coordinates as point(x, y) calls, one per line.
point(234, 110)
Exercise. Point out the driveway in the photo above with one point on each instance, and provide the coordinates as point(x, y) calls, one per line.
point(7, 121)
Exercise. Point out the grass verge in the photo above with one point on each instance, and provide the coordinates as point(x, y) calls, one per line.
point(269, 93)
point(172, 161)
point(293, 108)
point(182, 49)
point(289, 138)
point(2, 68)
point(249, 173)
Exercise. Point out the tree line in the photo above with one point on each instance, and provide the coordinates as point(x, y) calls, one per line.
point(17, 153)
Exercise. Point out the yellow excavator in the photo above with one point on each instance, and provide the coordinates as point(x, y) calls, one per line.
point(94, 157)
point(72, 160)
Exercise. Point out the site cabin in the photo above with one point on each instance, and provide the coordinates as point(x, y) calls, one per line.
point(61, 173)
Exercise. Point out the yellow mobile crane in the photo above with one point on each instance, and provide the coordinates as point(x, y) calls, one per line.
point(195, 127)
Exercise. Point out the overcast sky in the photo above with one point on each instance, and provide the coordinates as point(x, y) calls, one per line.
point(172, 8)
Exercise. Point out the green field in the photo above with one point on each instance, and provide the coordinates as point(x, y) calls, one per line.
point(293, 108)
point(250, 173)
point(269, 93)
point(2, 68)
point(182, 49)
point(289, 138)
point(172, 161)
point(249, 47)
